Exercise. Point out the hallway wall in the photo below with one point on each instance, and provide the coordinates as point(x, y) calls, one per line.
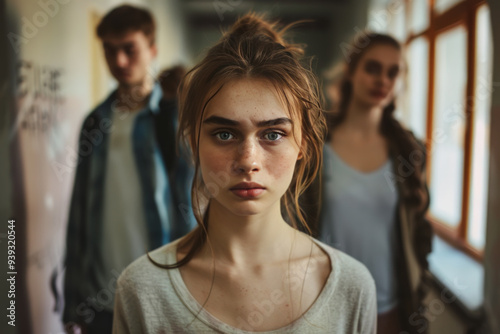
point(56, 66)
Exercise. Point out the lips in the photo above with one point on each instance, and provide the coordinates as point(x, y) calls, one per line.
point(378, 94)
point(247, 190)
point(122, 73)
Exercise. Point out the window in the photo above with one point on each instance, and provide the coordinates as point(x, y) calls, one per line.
point(478, 186)
point(448, 45)
point(448, 126)
point(419, 18)
point(442, 5)
point(415, 99)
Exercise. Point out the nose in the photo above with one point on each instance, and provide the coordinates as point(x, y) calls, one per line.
point(121, 59)
point(248, 159)
point(384, 79)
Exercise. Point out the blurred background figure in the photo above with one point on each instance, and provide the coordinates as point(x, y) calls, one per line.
point(374, 198)
point(130, 189)
point(333, 78)
point(170, 80)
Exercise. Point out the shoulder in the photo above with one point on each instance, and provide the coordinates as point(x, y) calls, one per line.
point(350, 274)
point(90, 120)
point(418, 141)
point(418, 156)
point(143, 272)
point(150, 293)
point(102, 110)
point(412, 150)
point(351, 293)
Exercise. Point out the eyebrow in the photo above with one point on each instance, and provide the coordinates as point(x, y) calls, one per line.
point(229, 122)
point(380, 64)
point(118, 46)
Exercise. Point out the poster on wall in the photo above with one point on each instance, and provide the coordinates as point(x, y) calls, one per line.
point(45, 128)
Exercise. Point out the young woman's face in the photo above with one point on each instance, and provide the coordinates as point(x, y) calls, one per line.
point(248, 148)
point(375, 75)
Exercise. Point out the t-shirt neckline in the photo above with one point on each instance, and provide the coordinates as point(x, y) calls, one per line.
point(386, 166)
point(201, 314)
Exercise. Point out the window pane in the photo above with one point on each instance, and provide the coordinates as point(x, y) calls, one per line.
point(442, 5)
point(449, 126)
point(419, 15)
point(481, 131)
point(416, 102)
point(397, 20)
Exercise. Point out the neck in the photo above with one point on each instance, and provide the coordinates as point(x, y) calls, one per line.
point(134, 97)
point(248, 240)
point(363, 118)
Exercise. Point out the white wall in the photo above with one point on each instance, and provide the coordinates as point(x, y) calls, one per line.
point(58, 39)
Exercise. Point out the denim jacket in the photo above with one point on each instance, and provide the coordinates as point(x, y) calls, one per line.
point(168, 216)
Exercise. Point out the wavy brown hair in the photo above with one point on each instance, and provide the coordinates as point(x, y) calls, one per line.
point(407, 152)
point(253, 48)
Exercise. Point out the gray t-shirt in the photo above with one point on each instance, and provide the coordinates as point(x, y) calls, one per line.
point(124, 232)
point(155, 300)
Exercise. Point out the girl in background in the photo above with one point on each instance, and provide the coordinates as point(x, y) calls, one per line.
point(374, 194)
point(251, 114)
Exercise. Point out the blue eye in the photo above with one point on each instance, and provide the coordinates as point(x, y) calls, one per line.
point(224, 135)
point(273, 136)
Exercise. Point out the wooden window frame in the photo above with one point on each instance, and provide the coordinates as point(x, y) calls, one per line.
point(464, 14)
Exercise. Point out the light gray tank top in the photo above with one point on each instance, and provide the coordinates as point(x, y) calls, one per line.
point(359, 217)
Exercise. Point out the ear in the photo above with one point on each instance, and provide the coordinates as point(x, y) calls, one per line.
point(302, 148)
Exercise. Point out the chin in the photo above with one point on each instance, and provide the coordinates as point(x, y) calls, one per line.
point(126, 81)
point(244, 209)
point(241, 208)
point(384, 104)
point(378, 103)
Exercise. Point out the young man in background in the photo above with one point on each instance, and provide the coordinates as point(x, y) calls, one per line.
point(131, 190)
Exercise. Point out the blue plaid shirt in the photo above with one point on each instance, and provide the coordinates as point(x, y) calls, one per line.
point(167, 218)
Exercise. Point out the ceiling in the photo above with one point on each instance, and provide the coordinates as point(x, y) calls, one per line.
point(220, 13)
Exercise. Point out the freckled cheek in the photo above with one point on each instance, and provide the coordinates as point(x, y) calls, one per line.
point(214, 162)
point(211, 158)
point(281, 166)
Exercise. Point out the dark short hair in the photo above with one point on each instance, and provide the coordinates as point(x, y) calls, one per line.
point(127, 18)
